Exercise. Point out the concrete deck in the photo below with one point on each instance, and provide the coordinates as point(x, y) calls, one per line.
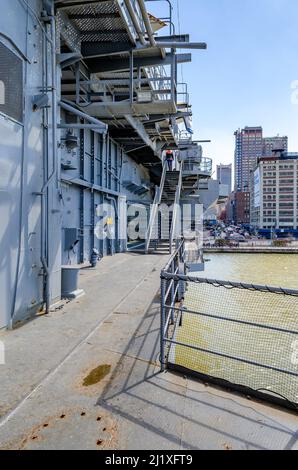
point(44, 404)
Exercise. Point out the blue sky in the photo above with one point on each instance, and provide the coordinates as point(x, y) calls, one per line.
point(245, 76)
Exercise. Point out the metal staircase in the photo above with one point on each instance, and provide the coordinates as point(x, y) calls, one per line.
point(170, 187)
point(162, 234)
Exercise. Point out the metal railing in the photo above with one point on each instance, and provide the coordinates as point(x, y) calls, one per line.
point(238, 335)
point(169, 297)
point(204, 165)
point(214, 242)
point(161, 84)
point(183, 95)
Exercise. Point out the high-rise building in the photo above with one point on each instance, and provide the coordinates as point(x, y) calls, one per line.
point(274, 192)
point(248, 148)
point(224, 175)
point(274, 143)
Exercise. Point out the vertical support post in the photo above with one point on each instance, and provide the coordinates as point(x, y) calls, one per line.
point(173, 293)
point(171, 19)
point(107, 146)
point(131, 76)
point(101, 149)
point(139, 77)
point(174, 75)
point(109, 168)
point(120, 169)
point(82, 174)
point(101, 141)
point(181, 264)
point(77, 75)
point(162, 324)
point(92, 192)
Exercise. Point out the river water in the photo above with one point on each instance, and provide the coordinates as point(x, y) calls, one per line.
point(217, 329)
point(266, 269)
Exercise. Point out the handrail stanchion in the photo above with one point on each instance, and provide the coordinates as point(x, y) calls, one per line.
point(173, 294)
point(162, 324)
point(173, 233)
point(169, 290)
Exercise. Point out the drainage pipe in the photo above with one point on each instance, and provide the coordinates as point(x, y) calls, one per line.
point(98, 130)
point(43, 217)
point(43, 194)
point(147, 23)
point(44, 225)
point(135, 22)
point(82, 115)
point(54, 107)
point(21, 212)
point(52, 42)
point(45, 256)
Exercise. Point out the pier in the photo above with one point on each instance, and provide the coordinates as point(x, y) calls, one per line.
point(133, 406)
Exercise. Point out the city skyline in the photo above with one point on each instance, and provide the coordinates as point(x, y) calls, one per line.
point(148, 311)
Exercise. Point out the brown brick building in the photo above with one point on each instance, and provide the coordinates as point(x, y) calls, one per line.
point(242, 207)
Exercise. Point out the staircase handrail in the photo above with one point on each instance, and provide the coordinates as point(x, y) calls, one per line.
point(176, 209)
point(155, 206)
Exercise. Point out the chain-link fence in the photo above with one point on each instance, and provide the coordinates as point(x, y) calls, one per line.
point(240, 335)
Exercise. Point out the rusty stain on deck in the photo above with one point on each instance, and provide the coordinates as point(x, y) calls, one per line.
point(105, 430)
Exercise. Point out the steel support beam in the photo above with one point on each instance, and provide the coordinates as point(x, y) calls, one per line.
point(105, 65)
point(90, 16)
point(99, 49)
point(141, 131)
point(183, 45)
point(67, 59)
point(174, 38)
point(65, 4)
point(119, 81)
point(85, 184)
point(80, 114)
point(98, 130)
point(162, 117)
point(105, 32)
